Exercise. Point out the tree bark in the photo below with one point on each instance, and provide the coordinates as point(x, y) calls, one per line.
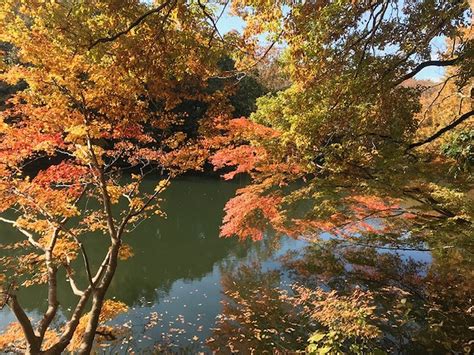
point(98, 300)
point(52, 289)
point(33, 346)
point(71, 326)
point(52, 303)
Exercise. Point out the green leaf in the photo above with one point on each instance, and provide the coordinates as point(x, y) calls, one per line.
point(325, 350)
point(312, 348)
point(316, 337)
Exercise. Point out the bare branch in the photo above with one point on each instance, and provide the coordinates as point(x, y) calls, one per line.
point(75, 289)
point(83, 253)
point(444, 83)
point(213, 22)
point(26, 233)
point(132, 213)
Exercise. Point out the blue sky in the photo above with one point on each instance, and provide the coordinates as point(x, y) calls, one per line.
point(228, 23)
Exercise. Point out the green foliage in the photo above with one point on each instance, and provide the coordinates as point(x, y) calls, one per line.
point(351, 122)
point(461, 149)
point(244, 100)
point(332, 343)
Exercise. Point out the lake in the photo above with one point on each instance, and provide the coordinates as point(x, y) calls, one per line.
point(175, 271)
point(182, 270)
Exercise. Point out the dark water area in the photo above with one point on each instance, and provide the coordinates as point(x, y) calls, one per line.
point(181, 271)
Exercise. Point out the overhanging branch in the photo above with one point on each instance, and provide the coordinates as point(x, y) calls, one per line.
point(443, 130)
point(26, 233)
point(429, 63)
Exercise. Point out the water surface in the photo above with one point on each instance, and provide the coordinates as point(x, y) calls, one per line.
point(175, 283)
point(175, 272)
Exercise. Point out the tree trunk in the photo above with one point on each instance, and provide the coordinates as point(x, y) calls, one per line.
point(71, 326)
point(89, 334)
point(98, 301)
point(33, 346)
point(52, 300)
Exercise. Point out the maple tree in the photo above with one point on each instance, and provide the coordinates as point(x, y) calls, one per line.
point(341, 143)
point(359, 150)
point(105, 84)
point(348, 137)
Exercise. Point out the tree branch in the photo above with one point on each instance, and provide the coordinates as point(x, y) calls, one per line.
point(32, 340)
point(103, 187)
point(71, 326)
point(429, 63)
point(83, 253)
point(73, 284)
point(130, 27)
point(213, 22)
point(26, 233)
point(101, 269)
point(132, 214)
point(443, 130)
point(52, 288)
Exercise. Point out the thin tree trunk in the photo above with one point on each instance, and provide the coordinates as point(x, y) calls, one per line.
point(71, 326)
point(52, 304)
point(32, 344)
point(98, 300)
point(100, 290)
point(52, 289)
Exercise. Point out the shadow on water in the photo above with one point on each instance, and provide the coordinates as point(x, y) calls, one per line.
point(183, 246)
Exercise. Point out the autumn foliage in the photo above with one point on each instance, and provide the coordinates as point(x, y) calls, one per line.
point(355, 136)
point(352, 146)
point(104, 84)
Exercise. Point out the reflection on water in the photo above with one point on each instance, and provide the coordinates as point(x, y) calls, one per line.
point(421, 303)
point(175, 272)
point(181, 284)
point(183, 246)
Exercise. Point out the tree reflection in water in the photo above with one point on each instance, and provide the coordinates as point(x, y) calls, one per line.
point(351, 297)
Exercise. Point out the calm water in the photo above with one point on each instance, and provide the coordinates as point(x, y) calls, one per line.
point(182, 269)
point(176, 270)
